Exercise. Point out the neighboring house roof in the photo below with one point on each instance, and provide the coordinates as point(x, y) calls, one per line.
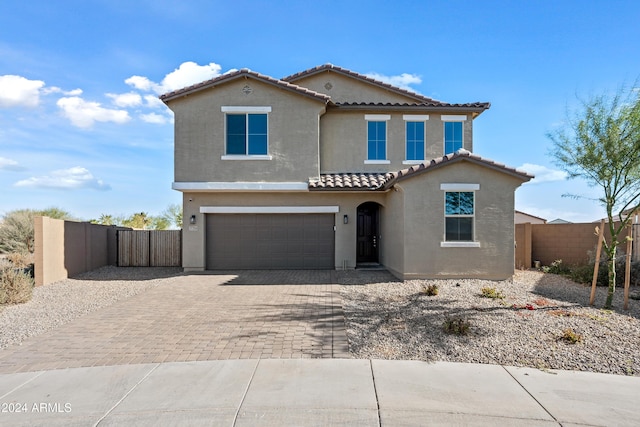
point(384, 181)
point(559, 221)
point(362, 77)
point(235, 75)
point(530, 216)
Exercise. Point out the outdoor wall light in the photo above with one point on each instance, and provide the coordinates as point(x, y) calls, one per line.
point(345, 219)
point(192, 220)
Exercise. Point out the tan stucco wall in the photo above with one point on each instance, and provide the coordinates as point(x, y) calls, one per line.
point(494, 227)
point(348, 89)
point(200, 139)
point(194, 237)
point(343, 141)
point(67, 248)
point(392, 229)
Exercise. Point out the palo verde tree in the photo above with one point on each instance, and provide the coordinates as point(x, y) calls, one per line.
point(601, 144)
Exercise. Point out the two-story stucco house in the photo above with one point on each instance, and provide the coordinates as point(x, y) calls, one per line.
point(328, 168)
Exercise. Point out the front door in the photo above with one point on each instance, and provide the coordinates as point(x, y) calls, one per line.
point(368, 238)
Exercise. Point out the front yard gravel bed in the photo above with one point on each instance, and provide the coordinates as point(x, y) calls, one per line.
point(391, 319)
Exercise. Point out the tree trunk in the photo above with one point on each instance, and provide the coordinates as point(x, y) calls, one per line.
point(612, 276)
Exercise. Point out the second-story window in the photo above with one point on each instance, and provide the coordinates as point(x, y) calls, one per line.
point(415, 137)
point(246, 133)
point(452, 137)
point(377, 138)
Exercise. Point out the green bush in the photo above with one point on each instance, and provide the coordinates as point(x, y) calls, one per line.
point(16, 286)
point(584, 274)
point(557, 267)
point(430, 290)
point(456, 326)
point(493, 293)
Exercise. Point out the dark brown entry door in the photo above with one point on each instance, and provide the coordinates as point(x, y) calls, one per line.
point(368, 238)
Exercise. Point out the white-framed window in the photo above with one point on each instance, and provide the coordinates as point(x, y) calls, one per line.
point(377, 138)
point(415, 138)
point(459, 215)
point(453, 132)
point(246, 133)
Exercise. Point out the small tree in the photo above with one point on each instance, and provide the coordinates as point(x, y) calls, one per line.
point(16, 228)
point(601, 144)
point(173, 215)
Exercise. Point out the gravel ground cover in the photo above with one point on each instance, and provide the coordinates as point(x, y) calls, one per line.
point(58, 303)
point(391, 319)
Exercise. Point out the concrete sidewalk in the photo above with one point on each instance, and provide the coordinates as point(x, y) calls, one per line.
point(305, 392)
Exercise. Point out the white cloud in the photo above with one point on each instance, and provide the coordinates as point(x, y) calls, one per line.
point(155, 118)
point(543, 173)
point(125, 100)
point(84, 114)
point(66, 179)
point(154, 102)
point(188, 73)
point(403, 81)
point(141, 83)
point(17, 91)
point(56, 89)
point(10, 165)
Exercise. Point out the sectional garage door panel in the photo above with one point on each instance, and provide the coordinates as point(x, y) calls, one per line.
point(270, 241)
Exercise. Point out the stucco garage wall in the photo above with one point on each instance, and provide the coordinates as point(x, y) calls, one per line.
point(494, 227)
point(194, 236)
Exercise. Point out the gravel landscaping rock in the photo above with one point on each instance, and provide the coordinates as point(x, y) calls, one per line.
point(58, 303)
point(391, 319)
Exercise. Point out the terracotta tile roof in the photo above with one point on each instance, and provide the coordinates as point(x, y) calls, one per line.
point(448, 159)
point(481, 106)
point(383, 181)
point(350, 181)
point(239, 74)
point(344, 71)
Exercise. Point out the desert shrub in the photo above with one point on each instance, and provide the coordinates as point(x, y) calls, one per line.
point(430, 290)
point(16, 286)
point(570, 336)
point(20, 259)
point(584, 274)
point(493, 293)
point(456, 326)
point(557, 267)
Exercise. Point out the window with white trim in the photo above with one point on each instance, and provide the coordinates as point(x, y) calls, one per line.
point(414, 139)
point(459, 207)
point(246, 131)
point(377, 138)
point(452, 137)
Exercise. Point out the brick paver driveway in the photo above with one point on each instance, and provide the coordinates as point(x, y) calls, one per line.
point(255, 314)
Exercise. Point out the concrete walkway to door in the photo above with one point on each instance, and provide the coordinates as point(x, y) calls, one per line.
point(196, 317)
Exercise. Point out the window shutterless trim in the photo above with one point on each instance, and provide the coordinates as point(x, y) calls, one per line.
point(246, 157)
point(243, 109)
point(415, 117)
point(377, 117)
point(458, 187)
point(377, 162)
point(453, 118)
point(450, 244)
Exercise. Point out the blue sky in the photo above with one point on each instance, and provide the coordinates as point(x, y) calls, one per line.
point(81, 127)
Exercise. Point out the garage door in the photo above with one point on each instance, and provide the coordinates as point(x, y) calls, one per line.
point(270, 241)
